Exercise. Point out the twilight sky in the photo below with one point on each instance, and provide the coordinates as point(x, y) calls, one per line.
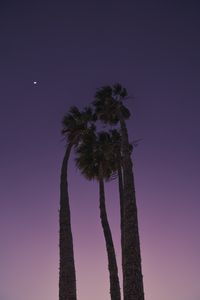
point(152, 48)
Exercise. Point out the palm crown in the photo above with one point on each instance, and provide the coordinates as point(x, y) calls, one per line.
point(109, 105)
point(95, 152)
point(75, 123)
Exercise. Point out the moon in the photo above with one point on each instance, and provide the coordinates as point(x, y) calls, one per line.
point(34, 82)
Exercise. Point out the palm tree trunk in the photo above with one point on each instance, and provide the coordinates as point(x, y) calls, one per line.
point(132, 270)
point(67, 276)
point(121, 197)
point(112, 263)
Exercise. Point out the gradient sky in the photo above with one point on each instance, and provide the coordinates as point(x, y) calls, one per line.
point(152, 48)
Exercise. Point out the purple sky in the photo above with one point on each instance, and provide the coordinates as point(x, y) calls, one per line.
point(152, 48)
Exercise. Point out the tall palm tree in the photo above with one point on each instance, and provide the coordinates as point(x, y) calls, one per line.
point(109, 106)
point(96, 161)
point(75, 124)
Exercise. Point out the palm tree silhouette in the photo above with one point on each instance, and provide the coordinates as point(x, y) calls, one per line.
point(75, 124)
point(109, 106)
point(95, 160)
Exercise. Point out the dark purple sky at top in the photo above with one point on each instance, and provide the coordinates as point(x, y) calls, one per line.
point(152, 48)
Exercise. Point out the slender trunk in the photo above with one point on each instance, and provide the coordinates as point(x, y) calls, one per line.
point(112, 263)
point(132, 270)
point(67, 276)
point(120, 185)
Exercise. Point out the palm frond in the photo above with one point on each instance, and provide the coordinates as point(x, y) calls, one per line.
point(104, 92)
point(119, 91)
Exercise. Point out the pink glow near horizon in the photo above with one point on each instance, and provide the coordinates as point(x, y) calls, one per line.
point(169, 257)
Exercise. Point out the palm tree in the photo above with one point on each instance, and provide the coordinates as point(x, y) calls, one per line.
point(109, 106)
point(96, 161)
point(75, 124)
